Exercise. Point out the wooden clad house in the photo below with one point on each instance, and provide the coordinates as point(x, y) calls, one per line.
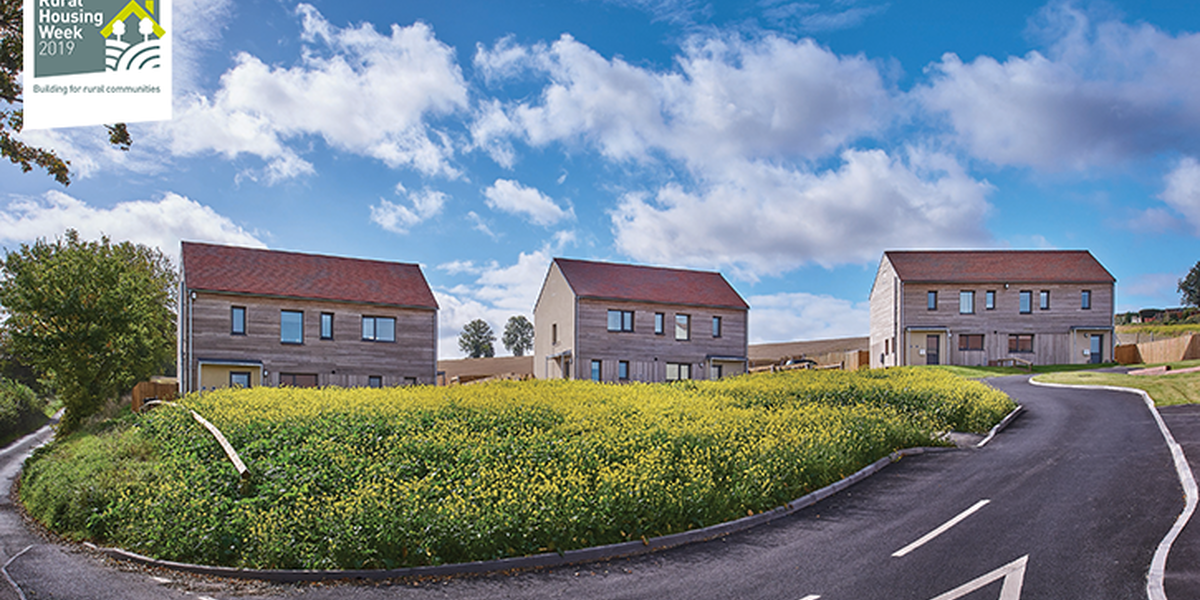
point(617, 322)
point(974, 307)
point(253, 317)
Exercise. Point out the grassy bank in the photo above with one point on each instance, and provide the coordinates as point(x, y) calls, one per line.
point(1166, 390)
point(399, 477)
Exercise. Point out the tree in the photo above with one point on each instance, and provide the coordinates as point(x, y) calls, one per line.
point(12, 119)
point(518, 335)
point(1189, 287)
point(476, 339)
point(92, 317)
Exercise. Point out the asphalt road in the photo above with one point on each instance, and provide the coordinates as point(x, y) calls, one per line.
point(1069, 502)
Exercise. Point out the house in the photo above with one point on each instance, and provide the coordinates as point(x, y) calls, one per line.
point(617, 322)
point(974, 307)
point(251, 317)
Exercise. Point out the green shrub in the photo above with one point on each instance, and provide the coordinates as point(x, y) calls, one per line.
point(21, 411)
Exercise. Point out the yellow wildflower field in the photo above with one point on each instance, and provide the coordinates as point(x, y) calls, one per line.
point(383, 478)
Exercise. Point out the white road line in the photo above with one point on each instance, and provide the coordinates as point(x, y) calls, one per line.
point(1013, 574)
point(1191, 493)
point(810, 597)
point(940, 530)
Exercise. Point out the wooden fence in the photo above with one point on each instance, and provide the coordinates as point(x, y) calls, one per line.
point(1175, 349)
point(152, 390)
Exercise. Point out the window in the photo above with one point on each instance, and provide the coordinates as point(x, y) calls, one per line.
point(291, 327)
point(659, 323)
point(683, 327)
point(375, 381)
point(714, 372)
point(327, 326)
point(716, 326)
point(970, 341)
point(623, 370)
point(1026, 302)
point(554, 333)
point(989, 301)
point(678, 371)
point(298, 379)
point(379, 329)
point(237, 318)
point(620, 320)
point(931, 300)
point(966, 303)
point(1044, 300)
point(1020, 342)
point(239, 379)
point(595, 370)
point(410, 381)
point(1085, 299)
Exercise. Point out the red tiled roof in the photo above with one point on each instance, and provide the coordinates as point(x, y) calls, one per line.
point(998, 266)
point(258, 272)
point(611, 281)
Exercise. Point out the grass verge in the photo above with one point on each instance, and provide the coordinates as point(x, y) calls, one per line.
point(985, 372)
point(1167, 390)
point(365, 478)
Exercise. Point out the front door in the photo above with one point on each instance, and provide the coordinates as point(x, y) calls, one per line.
point(932, 344)
point(1097, 353)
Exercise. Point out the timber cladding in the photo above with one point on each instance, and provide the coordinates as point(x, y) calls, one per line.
point(647, 352)
point(975, 307)
point(345, 360)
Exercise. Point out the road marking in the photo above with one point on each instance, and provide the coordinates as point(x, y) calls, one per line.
point(940, 530)
point(1013, 574)
point(810, 597)
point(4, 569)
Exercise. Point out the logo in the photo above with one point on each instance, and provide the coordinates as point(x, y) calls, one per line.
point(146, 53)
point(96, 61)
point(92, 36)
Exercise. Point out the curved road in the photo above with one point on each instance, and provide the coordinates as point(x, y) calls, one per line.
point(1069, 502)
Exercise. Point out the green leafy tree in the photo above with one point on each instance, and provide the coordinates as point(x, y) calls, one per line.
point(12, 118)
point(93, 317)
point(518, 335)
point(1189, 287)
point(476, 339)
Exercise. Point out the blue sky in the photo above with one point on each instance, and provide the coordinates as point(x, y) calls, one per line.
point(786, 144)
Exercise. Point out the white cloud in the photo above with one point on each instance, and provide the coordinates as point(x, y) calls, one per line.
point(478, 224)
point(198, 27)
point(160, 224)
point(505, 60)
point(399, 218)
point(511, 197)
point(1182, 191)
point(1102, 92)
point(359, 90)
point(813, 17)
point(728, 98)
point(788, 317)
point(499, 292)
point(764, 219)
